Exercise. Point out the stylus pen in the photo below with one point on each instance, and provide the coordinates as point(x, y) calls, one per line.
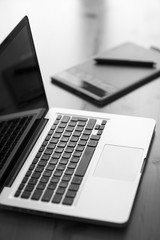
point(121, 62)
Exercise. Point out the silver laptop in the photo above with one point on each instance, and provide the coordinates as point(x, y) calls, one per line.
point(67, 163)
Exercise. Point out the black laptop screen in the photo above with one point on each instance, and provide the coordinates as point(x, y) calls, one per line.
point(21, 86)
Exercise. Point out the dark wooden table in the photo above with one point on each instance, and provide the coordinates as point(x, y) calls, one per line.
point(65, 33)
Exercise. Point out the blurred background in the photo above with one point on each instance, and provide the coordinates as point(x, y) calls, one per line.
point(66, 32)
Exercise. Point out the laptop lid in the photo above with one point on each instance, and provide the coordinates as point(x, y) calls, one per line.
point(21, 86)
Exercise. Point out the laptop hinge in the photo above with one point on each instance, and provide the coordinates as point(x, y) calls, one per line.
point(27, 146)
point(42, 113)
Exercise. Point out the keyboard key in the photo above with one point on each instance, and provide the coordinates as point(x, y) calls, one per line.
point(74, 159)
point(53, 161)
point(41, 186)
point(104, 122)
point(44, 180)
point(25, 194)
point(57, 198)
point(50, 167)
point(55, 179)
point(90, 124)
point(63, 184)
point(47, 195)
point(58, 173)
point(37, 194)
point(61, 167)
point(95, 137)
point(68, 201)
point(74, 187)
point(36, 175)
point(45, 157)
point(71, 194)
point(42, 163)
point(65, 119)
point(82, 167)
point(77, 180)
point(17, 194)
point(47, 173)
point(64, 161)
point(92, 143)
point(69, 171)
point(29, 188)
point(52, 186)
point(72, 165)
point(60, 190)
point(33, 181)
point(66, 178)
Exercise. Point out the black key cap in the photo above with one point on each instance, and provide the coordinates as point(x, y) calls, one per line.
point(82, 143)
point(29, 188)
point(71, 144)
point(79, 148)
point(74, 159)
point(61, 167)
point(44, 180)
point(47, 195)
point(62, 145)
point(53, 161)
point(92, 143)
point(50, 167)
point(45, 157)
point(63, 184)
point(17, 194)
point(81, 119)
point(25, 179)
point(25, 194)
point(52, 186)
point(51, 146)
point(72, 165)
point(77, 180)
point(90, 124)
point(47, 173)
point(58, 173)
point(69, 171)
point(74, 187)
point(35, 160)
point(39, 169)
point(68, 201)
point(57, 198)
point(33, 181)
point(41, 186)
point(95, 137)
point(60, 190)
point(77, 154)
point(36, 175)
point(42, 163)
point(71, 194)
point(82, 167)
point(64, 161)
point(104, 122)
point(37, 194)
point(66, 178)
point(65, 119)
point(55, 179)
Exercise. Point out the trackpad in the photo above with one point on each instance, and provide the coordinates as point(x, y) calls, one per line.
point(119, 162)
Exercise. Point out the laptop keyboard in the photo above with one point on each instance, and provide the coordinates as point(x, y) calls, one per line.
point(10, 133)
point(57, 171)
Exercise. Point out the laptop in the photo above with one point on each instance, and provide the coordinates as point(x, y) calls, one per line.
point(73, 164)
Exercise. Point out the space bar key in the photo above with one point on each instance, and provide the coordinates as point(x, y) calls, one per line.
point(85, 160)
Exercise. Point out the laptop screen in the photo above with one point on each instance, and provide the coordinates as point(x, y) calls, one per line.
point(21, 86)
